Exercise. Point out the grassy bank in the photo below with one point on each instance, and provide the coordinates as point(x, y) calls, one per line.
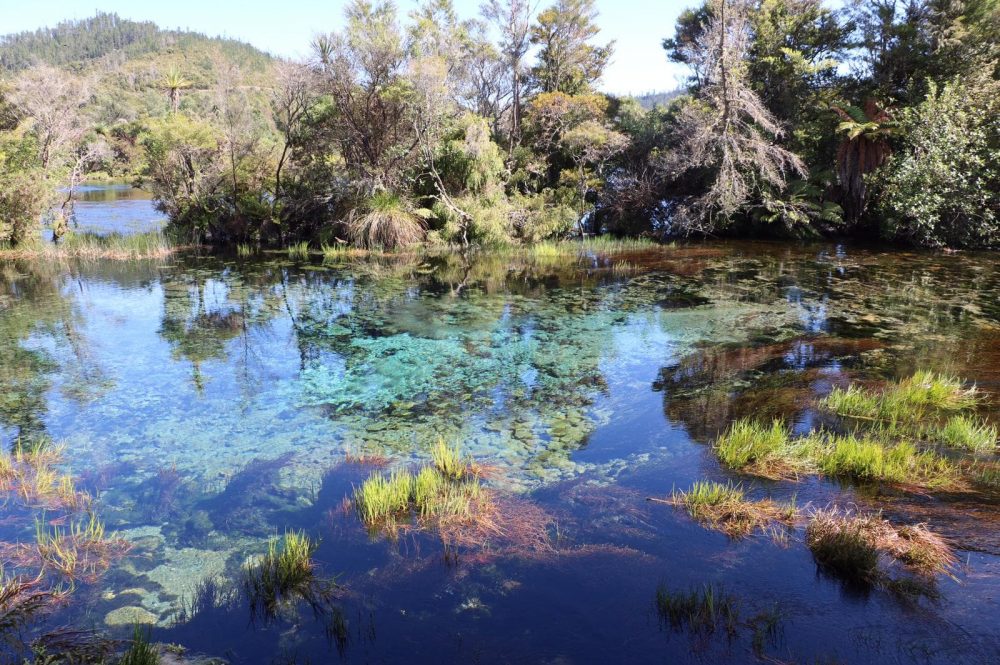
point(113, 246)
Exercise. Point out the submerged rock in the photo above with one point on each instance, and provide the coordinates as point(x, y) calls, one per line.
point(130, 616)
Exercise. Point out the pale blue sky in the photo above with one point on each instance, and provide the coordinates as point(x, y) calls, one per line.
point(285, 28)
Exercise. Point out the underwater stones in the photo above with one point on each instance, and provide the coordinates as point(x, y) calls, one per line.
point(184, 568)
point(130, 615)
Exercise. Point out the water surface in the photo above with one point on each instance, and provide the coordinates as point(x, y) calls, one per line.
point(210, 402)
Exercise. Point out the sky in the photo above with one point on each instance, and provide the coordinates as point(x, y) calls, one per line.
point(637, 26)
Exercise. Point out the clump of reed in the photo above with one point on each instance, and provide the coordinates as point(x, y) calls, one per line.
point(286, 572)
point(245, 250)
point(447, 495)
point(967, 433)
point(386, 221)
point(115, 246)
point(298, 251)
point(770, 451)
point(907, 401)
point(853, 546)
point(724, 507)
point(869, 459)
point(703, 610)
point(28, 472)
point(140, 651)
point(754, 446)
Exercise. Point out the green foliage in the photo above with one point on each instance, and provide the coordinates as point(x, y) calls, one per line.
point(943, 186)
point(749, 442)
point(286, 572)
point(702, 610)
point(967, 433)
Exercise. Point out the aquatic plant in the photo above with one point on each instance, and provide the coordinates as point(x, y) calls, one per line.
point(244, 250)
point(83, 551)
point(448, 461)
point(870, 459)
point(381, 499)
point(22, 600)
point(907, 401)
point(724, 507)
point(299, 251)
point(844, 545)
point(114, 246)
point(967, 433)
point(852, 545)
point(701, 610)
point(140, 651)
point(285, 572)
point(749, 443)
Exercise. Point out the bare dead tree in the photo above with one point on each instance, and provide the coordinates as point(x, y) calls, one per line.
point(727, 129)
point(51, 100)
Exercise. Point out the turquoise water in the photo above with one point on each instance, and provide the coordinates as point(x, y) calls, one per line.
point(210, 402)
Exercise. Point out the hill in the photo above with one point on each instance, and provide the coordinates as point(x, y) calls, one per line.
point(125, 63)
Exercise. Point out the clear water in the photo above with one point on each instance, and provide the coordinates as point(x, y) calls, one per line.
point(210, 403)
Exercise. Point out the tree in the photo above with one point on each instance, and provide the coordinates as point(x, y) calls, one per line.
point(292, 99)
point(362, 69)
point(567, 61)
point(50, 100)
point(512, 19)
point(942, 187)
point(864, 147)
point(726, 129)
point(173, 82)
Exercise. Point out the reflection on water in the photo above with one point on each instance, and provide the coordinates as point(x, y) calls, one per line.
point(212, 403)
point(116, 208)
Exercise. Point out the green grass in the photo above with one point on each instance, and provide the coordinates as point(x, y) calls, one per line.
point(449, 461)
point(750, 443)
point(870, 459)
point(702, 610)
point(905, 402)
point(140, 650)
point(724, 507)
point(967, 433)
point(245, 250)
point(285, 572)
point(85, 245)
point(381, 499)
point(298, 252)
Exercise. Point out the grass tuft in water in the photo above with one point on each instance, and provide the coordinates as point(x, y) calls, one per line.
point(298, 252)
point(245, 251)
point(724, 507)
point(967, 433)
point(284, 573)
point(853, 546)
point(140, 651)
point(448, 461)
point(749, 443)
point(868, 459)
point(908, 401)
point(381, 499)
point(703, 610)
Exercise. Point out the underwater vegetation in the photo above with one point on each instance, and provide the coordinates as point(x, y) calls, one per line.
point(725, 507)
point(140, 651)
point(703, 610)
point(707, 610)
point(861, 546)
point(286, 573)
